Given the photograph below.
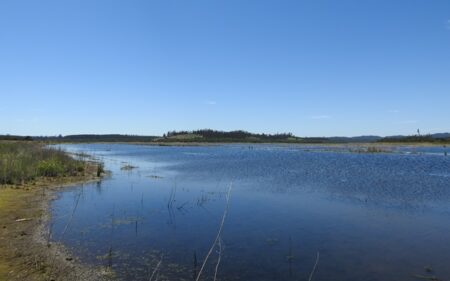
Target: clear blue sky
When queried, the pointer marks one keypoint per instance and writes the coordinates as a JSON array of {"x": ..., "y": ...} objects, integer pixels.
[{"x": 314, "y": 68}]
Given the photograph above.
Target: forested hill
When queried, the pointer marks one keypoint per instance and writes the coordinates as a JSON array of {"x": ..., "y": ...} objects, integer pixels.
[{"x": 222, "y": 136}]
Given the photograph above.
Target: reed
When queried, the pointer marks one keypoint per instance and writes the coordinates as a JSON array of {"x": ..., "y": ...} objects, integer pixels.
[
  {"x": 21, "y": 162},
  {"x": 100, "y": 169}
]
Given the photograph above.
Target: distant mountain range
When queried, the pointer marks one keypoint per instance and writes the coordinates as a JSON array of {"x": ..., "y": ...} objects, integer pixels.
[{"x": 441, "y": 135}]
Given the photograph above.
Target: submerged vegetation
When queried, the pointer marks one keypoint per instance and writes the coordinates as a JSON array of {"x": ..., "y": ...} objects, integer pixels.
[
  {"x": 371, "y": 149},
  {"x": 25, "y": 161},
  {"x": 128, "y": 167}
]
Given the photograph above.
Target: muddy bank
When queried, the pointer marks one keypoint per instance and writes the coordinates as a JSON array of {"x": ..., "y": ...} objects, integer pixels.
[{"x": 26, "y": 250}]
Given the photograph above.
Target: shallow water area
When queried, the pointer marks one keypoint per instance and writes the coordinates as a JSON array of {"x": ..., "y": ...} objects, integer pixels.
[{"x": 370, "y": 216}]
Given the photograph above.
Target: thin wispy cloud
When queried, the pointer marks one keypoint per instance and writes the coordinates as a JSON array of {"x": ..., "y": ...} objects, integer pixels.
[
  {"x": 318, "y": 117},
  {"x": 27, "y": 120},
  {"x": 407, "y": 122},
  {"x": 447, "y": 24},
  {"x": 438, "y": 130},
  {"x": 394, "y": 111},
  {"x": 210, "y": 102}
]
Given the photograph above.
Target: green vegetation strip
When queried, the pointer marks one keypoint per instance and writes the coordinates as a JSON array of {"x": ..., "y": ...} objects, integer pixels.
[{"x": 22, "y": 162}]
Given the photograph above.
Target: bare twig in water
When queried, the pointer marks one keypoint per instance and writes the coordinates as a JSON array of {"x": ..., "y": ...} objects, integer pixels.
[
  {"x": 24, "y": 219},
  {"x": 173, "y": 192},
  {"x": 170, "y": 202},
  {"x": 314, "y": 268},
  {"x": 290, "y": 256},
  {"x": 218, "y": 259},
  {"x": 156, "y": 269},
  {"x": 432, "y": 278},
  {"x": 71, "y": 216},
  {"x": 110, "y": 254},
  {"x": 182, "y": 205},
  {"x": 218, "y": 233},
  {"x": 195, "y": 266},
  {"x": 62, "y": 234}
]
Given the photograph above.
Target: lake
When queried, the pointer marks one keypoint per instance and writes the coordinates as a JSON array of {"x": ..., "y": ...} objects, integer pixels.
[{"x": 357, "y": 216}]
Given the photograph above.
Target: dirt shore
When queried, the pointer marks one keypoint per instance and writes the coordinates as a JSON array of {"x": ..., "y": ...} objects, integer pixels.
[{"x": 26, "y": 250}]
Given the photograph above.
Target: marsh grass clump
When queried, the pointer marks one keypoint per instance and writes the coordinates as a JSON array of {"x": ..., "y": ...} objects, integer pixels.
[
  {"x": 127, "y": 167},
  {"x": 370, "y": 149},
  {"x": 100, "y": 169},
  {"x": 50, "y": 168},
  {"x": 23, "y": 161},
  {"x": 374, "y": 149}
]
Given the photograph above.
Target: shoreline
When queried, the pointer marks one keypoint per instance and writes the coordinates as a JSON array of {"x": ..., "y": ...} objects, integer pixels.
[
  {"x": 27, "y": 250},
  {"x": 419, "y": 144}
]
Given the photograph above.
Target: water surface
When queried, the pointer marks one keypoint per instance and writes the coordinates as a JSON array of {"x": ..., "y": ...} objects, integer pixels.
[{"x": 381, "y": 216}]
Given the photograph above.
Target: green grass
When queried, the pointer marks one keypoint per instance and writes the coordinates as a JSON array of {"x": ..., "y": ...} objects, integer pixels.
[{"x": 24, "y": 161}]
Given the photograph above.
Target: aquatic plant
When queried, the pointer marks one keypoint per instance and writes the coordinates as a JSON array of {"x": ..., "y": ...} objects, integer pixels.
[
  {"x": 375, "y": 149},
  {"x": 370, "y": 149},
  {"x": 128, "y": 167},
  {"x": 100, "y": 169}
]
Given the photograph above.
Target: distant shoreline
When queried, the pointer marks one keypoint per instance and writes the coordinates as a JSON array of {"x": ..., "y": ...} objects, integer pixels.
[
  {"x": 209, "y": 137},
  {"x": 355, "y": 144}
]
